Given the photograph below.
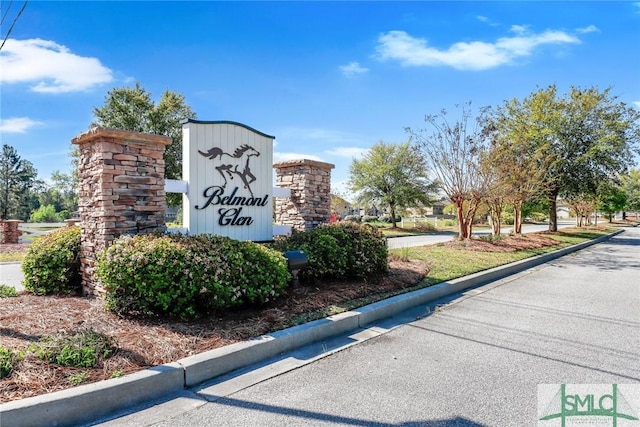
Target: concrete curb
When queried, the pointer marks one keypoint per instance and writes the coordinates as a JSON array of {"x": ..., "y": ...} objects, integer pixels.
[{"x": 97, "y": 400}]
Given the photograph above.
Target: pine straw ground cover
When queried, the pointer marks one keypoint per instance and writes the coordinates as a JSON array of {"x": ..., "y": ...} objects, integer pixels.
[{"x": 142, "y": 343}]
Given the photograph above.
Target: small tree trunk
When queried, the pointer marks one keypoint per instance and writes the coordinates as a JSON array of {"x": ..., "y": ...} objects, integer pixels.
[
  {"x": 496, "y": 213},
  {"x": 392, "y": 208},
  {"x": 553, "y": 213},
  {"x": 517, "y": 217},
  {"x": 462, "y": 223}
]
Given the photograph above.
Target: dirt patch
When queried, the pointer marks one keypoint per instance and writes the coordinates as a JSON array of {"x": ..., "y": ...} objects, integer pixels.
[{"x": 144, "y": 343}]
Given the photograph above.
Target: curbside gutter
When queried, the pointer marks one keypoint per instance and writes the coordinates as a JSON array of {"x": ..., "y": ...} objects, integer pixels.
[{"x": 89, "y": 402}]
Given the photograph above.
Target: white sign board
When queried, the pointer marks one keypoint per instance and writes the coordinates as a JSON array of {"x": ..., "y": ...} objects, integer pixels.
[{"x": 229, "y": 168}]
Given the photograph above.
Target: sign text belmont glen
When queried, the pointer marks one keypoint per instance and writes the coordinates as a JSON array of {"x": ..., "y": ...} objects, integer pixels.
[
  {"x": 230, "y": 173},
  {"x": 214, "y": 196}
]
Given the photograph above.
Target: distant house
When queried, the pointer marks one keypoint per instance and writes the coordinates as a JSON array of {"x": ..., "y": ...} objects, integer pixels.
[{"x": 563, "y": 211}]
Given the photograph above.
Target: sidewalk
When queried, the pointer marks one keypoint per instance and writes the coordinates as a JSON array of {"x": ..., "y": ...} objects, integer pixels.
[
  {"x": 11, "y": 275},
  {"x": 98, "y": 400}
]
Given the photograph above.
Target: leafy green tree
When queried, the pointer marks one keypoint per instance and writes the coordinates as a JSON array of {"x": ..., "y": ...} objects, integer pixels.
[
  {"x": 392, "y": 175},
  {"x": 16, "y": 178},
  {"x": 62, "y": 194},
  {"x": 515, "y": 158},
  {"x": 612, "y": 199},
  {"x": 45, "y": 213},
  {"x": 133, "y": 109},
  {"x": 453, "y": 151},
  {"x": 631, "y": 186},
  {"x": 581, "y": 140}
]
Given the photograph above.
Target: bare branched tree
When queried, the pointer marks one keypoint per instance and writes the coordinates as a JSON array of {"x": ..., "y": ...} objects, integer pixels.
[{"x": 453, "y": 152}]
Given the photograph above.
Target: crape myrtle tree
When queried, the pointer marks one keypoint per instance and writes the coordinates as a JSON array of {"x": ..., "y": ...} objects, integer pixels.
[
  {"x": 453, "y": 152},
  {"x": 16, "y": 178},
  {"x": 582, "y": 206},
  {"x": 582, "y": 140},
  {"x": 392, "y": 175},
  {"x": 495, "y": 195},
  {"x": 133, "y": 109},
  {"x": 514, "y": 158}
]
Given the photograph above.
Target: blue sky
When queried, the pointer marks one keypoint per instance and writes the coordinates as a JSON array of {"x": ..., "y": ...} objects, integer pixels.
[{"x": 328, "y": 79}]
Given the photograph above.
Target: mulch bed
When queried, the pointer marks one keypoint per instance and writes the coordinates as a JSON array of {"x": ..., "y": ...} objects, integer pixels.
[
  {"x": 505, "y": 244},
  {"x": 144, "y": 343}
]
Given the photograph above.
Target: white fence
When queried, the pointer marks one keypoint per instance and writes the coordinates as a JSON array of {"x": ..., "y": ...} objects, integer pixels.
[{"x": 34, "y": 229}]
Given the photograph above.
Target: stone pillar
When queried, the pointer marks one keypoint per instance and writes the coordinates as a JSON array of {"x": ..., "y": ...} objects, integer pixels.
[
  {"x": 121, "y": 191},
  {"x": 10, "y": 231},
  {"x": 310, "y": 202}
]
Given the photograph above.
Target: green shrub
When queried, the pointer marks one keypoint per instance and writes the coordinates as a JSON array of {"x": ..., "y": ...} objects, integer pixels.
[
  {"x": 353, "y": 218},
  {"x": 7, "y": 291},
  {"x": 366, "y": 247},
  {"x": 7, "y": 362},
  {"x": 369, "y": 218},
  {"x": 507, "y": 218},
  {"x": 425, "y": 225},
  {"x": 387, "y": 218},
  {"x": 62, "y": 215},
  {"x": 45, "y": 213},
  {"x": 182, "y": 276},
  {"x": 326, "y": 257},
  {"x": 52, "y": 263},
  {"x": 82, "y": 350},
  {"x": 340, "y": 250}
]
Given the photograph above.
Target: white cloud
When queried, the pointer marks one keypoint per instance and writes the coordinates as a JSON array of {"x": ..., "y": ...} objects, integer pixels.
[
  {"x": 50, "y": 67},
  {"x": 486, "y": 20},
  {"x": 17, "y": 124},
  {"x": 637, "y": 5},
  {"x": 283, "y": 157},
  {"x": 352, "y": 69},
  {"x": 588, "y": 29},
  {"x": 348, "y": 152},
  {"x": 475, "y": 55},
  {"x": 637, "y": 104}
]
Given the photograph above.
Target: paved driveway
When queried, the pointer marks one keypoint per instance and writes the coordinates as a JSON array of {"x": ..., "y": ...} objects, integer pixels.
[
  {"x": 476, "y": 361},
  {"x": 11, "y": 275}
]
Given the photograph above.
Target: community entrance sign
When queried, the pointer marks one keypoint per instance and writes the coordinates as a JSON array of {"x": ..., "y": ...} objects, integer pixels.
[{"x": 228, "y": 167}]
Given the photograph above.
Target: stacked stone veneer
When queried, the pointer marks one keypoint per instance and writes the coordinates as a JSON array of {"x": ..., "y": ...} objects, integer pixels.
[
  {"x": 310, "y": 201},
  {"x": 9, "y": 231},
  {"x": 121, "y": 191}
]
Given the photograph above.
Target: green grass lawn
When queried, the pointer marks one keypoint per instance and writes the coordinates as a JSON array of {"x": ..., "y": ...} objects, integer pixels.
[
  {"x": 9, "y": 257},
  {"x": 448, "y": 263}
]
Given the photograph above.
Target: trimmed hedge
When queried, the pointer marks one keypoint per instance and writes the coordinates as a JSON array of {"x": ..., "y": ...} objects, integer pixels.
[
  {"x": 184, "y": 276},
  {"x": 341, "y": 250},
  {"x": 52, "y": 263}
]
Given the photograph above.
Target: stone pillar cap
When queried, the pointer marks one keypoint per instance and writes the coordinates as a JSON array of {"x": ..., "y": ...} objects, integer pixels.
[
  {"x": 125, "y": 135},
  {"x": 301, "y": 162}
]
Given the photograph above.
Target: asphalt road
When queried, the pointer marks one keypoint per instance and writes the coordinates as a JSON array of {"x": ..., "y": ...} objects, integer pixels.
[
  {"x": 476, "y": 360},
  {"x": 11, "y": 275}
]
